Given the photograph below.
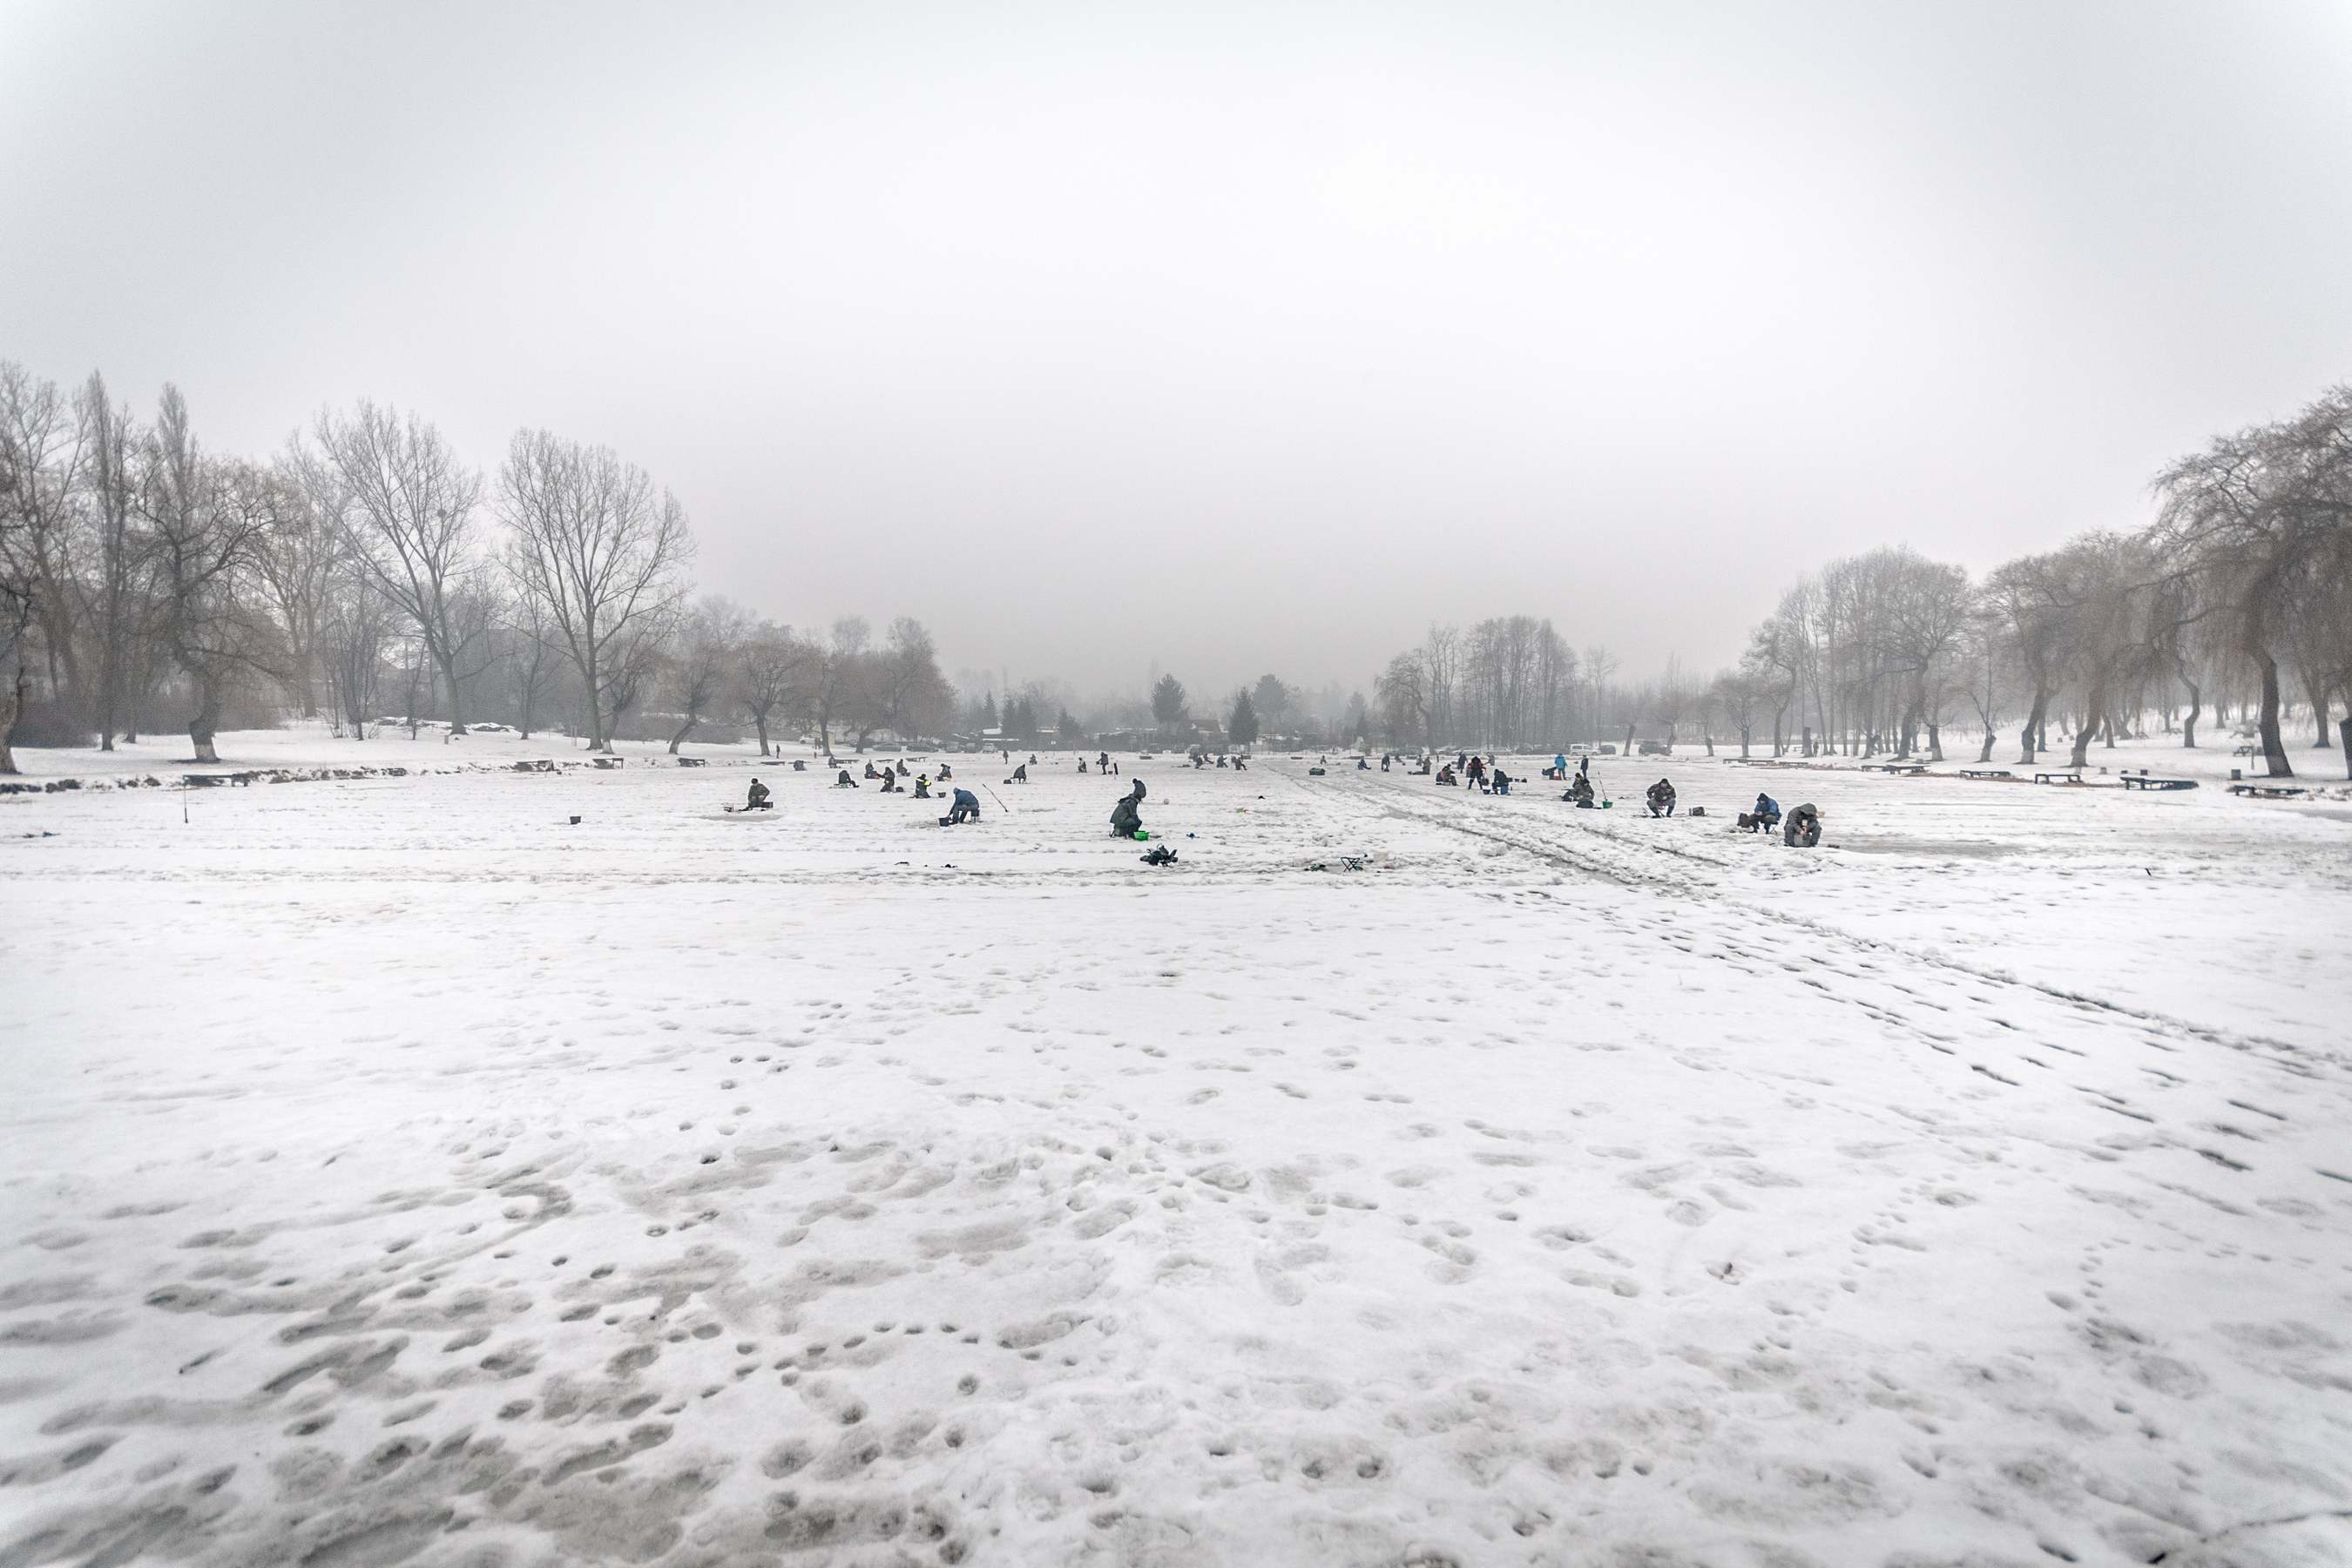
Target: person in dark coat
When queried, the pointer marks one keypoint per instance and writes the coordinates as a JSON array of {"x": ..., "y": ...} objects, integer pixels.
[
  {"x": 922, "y": 786},
  {"x": 965, "y": 809},
  {"x": 1477, "y": 770},
  {"x": 1502, "y": 780},
  {"x": 758, "y": 799},
  {"x": 1126, "y": 818},
  {"x": 1765, "y": 817},
  {"x": 1802, "y": 829},
  {"x": 1580, "y": 791},
  {"x": 1661, "y": 797},
  {"x": 844, "y": 781},
  {"x": 1020, "y": 774},
  {"x": 891, "y": 782}
]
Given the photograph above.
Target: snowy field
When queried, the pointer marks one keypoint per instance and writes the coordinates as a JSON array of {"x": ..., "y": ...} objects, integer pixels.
[{"x": 396, "y": 1171}]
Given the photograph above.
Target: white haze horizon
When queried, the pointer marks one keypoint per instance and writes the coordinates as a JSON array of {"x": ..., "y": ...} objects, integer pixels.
[{"x": 1228, "y": 342}]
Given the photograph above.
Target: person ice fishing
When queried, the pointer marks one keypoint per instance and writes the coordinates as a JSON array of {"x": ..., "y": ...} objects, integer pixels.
[
  {"x": 870, "y": 773},
  {"x": 1580, "y": 790},
  {"x": 1445, "y": 775},
  {"x": 946, "y": 772},
  {"x": 1560, "y": 764},
  {"x": 891, "y": 782},
  {"x": 1362, "y": 766},
  {"x": 1661, "y": 797},
  {"x": 1802, "y": 829},
  {"x": 922, "y": 786},
  {"x": 1082, "y": 765},
  {"x": 1126, "y": 818},
  {"x": 1477, "y": 769},
  {"x": 844, "y": 781},
  {"x": 1020, "y": 774},
  {"x": 965, "y": 808},
  {"x": 1765, "y": 816},
  {"x": 756, "y": 798},
  {"x": 1502, "y": 780}
]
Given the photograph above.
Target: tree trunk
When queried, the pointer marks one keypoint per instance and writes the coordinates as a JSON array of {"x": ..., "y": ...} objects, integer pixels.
[
  {"x": 2196, "y": 706},
  {"x": 12, "y": 704},
  {"x": 683, "y": 731},
  {"x": 2273, "y": 747},
  {"x": 1746, "y": 731},
  {"x": 1629, "y": 739},
  {"x": 2345, "y": 727},
  {"x": 2032, "y": 731},
  {"x": 1985, "y": 754},
  {"x": 760, "y": 721},
  {"x": 2317, "y": 691},
  {"x": 207, "y": 719},
  {"x": 1934, "y": 741}
]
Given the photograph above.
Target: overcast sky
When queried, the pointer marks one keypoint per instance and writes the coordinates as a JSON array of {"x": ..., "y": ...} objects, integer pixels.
[{"x": 1223, "y": 339}]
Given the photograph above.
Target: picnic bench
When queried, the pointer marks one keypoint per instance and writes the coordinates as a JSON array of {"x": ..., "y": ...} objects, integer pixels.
[
  {"x": 692, "y": 761},
  {"x": 2267, "y": 791},
  {"x": 2245, "y": 751},
  {"x": 1895, "y": 767},
  {"x": 607, "y": 762},
  {"x": 2060, "y": 775},
  {"x": 1987, "y": 773},
  {"x": 2144, "y": 780}
]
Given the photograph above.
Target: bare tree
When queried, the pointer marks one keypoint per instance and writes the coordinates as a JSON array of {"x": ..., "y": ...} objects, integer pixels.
[
  {"x": 352, "y": 634},
  {"x": 208, "y": 527},
  {"x": 410, "y": 520},
  {"x": 709, "y": 640},
  {"x": 111, "y": 444},
  {"x": 1404, "y": 695},
  {"x": 914, "y": 695},
  {"x": 604, "y": 554},
  {"x": 41, "y": 444},
  {"x": 777, "y": 677},
  {"x": 2255, "y": 519},
  {"x": 299, "y": 563}
]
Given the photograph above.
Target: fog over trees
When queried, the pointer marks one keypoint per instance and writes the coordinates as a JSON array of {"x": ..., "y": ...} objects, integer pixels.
[{"x": 367, "y": 574}]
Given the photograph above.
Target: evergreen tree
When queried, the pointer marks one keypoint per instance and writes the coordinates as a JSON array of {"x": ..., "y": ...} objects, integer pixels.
[
  {"x": 1167, "y": 702},
  {"x": 988, "y": 711},
  {"x": 1242, "y": 728},
  {"x": 1066, "y": 727}
]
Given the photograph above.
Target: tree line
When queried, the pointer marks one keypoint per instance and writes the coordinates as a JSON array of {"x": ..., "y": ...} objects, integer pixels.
[
  {"x": 2237, "y": 593},
  {"x": 2239, "y": 584},
  {"x": 367, "y": 564}
]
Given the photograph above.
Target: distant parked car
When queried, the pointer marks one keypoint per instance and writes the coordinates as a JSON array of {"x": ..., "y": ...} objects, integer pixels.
[
  {"x": 1657, "y": 749},
  {"x": 1583, "y": 750}
]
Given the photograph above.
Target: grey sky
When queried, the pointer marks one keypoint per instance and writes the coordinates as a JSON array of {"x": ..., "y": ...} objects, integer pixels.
[{"x": 1224, "y": 338}]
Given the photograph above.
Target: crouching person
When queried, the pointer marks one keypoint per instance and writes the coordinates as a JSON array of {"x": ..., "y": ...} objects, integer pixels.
[{"x": 965, "y": 809}]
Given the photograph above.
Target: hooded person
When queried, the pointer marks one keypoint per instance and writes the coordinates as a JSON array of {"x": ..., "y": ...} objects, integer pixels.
[
  {"x": 844, "y": 781},
  {"x": 922, "y": 786},
  {"x": 1020, "y": 774},
  {"x": 966, "y": 808},
  {"x": 1802, "y": 829},
  {"x": 1661, "y": 796},
  {"x": 757, "y": 799},
  {"x": 1126, "y": 817},
  {"x": 1580, "y": 790}
]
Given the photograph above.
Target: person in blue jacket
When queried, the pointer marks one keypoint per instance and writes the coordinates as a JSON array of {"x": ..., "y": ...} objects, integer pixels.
[{"x": 966, "y": 809}]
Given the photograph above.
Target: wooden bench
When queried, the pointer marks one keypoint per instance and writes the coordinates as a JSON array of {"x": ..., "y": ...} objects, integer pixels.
[
  {"x": 608, "y": 761},
  {"x": 2149, "y": 781},
  {"x": 1987, "y": 773},
  {"x": 692, "y": 761},
  {"x": 2268, "y": 792},
  {"x": 2060, "y": 775}
]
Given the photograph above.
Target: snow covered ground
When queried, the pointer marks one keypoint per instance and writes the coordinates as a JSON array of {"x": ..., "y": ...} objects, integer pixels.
[{"x": 397, "y": 1171}]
